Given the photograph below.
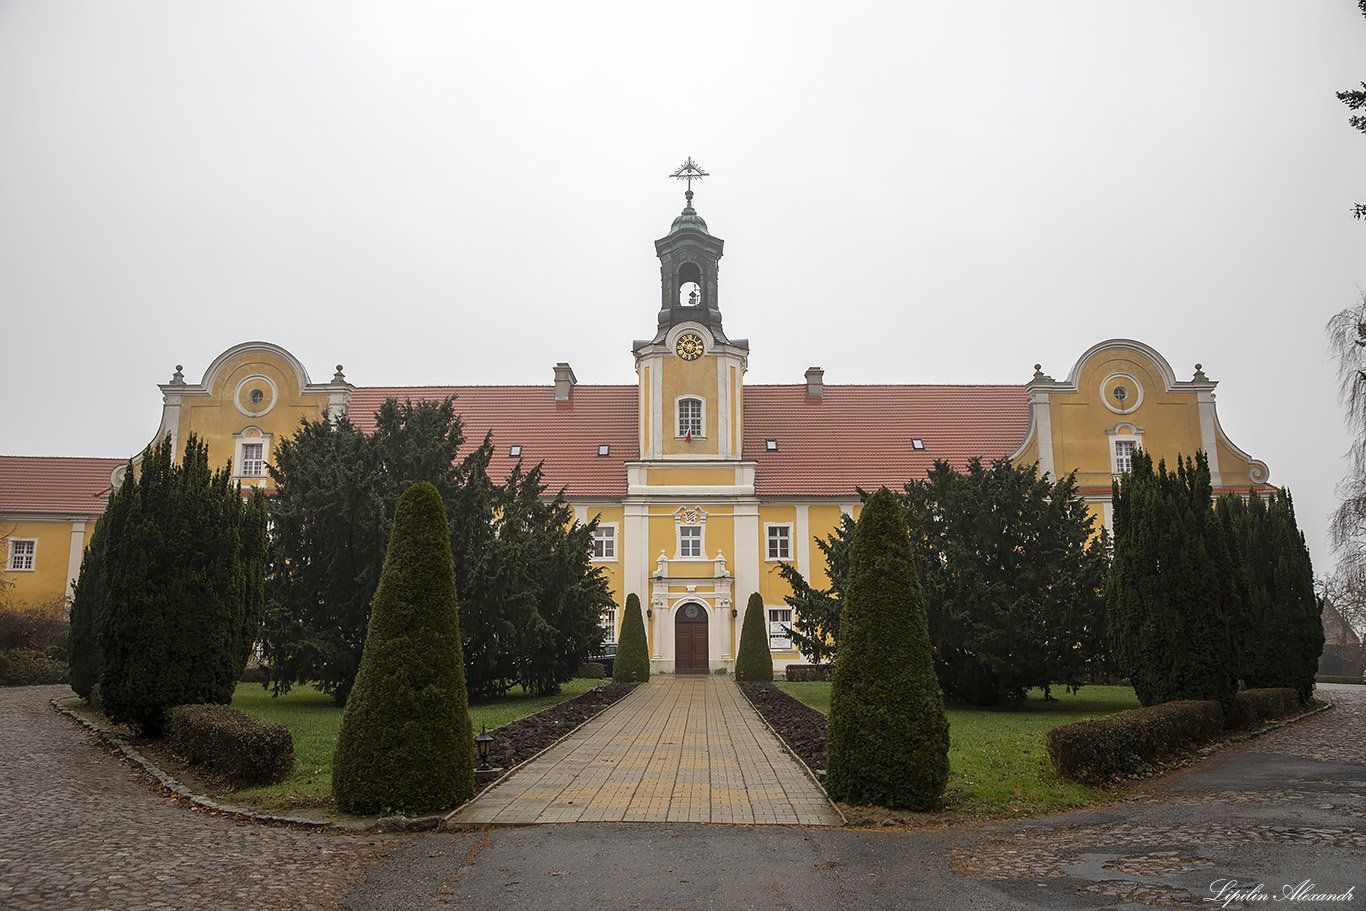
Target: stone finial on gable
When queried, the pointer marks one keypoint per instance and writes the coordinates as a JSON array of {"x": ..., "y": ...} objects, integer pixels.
[{"x": 178, "y": 378}]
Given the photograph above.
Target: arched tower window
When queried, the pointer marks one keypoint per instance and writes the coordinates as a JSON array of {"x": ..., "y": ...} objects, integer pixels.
[{"x": 689, "y": 285}]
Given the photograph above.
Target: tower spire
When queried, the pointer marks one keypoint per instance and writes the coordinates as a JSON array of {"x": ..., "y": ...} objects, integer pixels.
[{"x": 689, "y": 171}]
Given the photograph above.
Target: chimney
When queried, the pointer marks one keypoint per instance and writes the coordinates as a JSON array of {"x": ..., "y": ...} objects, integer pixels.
[
  {"x": 815, "y": 381},
  {"x": 564, "y": 381}
]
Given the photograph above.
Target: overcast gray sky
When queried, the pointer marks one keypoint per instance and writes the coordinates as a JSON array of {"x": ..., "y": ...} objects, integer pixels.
[{"x": 467, "y": 193}]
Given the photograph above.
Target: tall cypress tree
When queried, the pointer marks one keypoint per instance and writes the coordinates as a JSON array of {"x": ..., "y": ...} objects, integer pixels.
[
  {"x": 1282, "y": 638},
  {"x": 755, "y": 657},
  {"x": 887, "y": 740},
  {"x": 1174, "y": 597},
  {"x": 87, "y": 607},
  {"x": 176, "y": 615},
  {"x": 406, "y": 741},
  {"x": 633, "y": 649}
]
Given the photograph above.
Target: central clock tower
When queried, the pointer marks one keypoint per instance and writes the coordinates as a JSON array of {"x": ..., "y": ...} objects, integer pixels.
[
  {"x": 690, "y": 497},
  {"x": 690, "y": 374}
]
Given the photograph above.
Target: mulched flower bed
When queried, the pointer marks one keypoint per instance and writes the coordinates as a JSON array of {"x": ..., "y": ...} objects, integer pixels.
[
  {"x": 800, "y": 726},
  {"x": 517, "y": 741}
]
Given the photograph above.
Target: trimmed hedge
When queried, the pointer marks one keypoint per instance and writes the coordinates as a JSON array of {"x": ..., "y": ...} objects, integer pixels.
[
  {"x": 592, "y": 670},
  {"x": 1252, "y": 709},
  {"x": 1092, "y": 751},
  {"x": 755, "y": 658},
  {"x": 1329, "y": 678},
  {"x": 242, "y": 748},
  {"x": 633, "y": 649},
  {"x": 26, "y": 667},
  {"x": 808, "y": 673}
]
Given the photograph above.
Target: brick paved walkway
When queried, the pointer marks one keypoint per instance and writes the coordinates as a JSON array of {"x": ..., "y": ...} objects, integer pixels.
[
  {"x": 678, "y": 749},
  {"x": 80, "y": 830}
]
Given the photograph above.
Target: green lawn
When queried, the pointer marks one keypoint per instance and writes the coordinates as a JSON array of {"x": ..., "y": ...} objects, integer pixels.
[
  {"x": 998, "y": 763},
  {"x": 315, "y": 721}
]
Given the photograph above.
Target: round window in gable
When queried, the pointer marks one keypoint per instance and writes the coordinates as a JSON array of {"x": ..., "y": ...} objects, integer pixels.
[{"x": 256, "y": 396}]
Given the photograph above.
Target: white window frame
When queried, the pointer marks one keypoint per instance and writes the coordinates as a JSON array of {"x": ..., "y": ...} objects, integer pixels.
[
  {"x": 248, "y": 462},
  {"x": 29, "y": 555},
  {"x": 605, "y": 543},
  {"x": 239, "y": 458},
  {"x": 690, "y": 538},
  {"x": 778, "y": 533},
  {"x": 609, "y": 622},
  {"x": 778, "y": 617},
  {"x": 1123, "y": 433},
  {"x": 1124, "y": 456},
  {"x": 698, "y": 424}
]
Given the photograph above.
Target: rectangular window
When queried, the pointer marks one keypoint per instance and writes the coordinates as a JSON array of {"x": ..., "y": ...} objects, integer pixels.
[
  {"x": 779, "y": 617},
  {"x": 690, "y": 417},
  {"x": 609, "y": 623},
  {"x": 21, "y": 553},
  {"x": 690, "y": 541},
  {"x": 605, "y": 542},
  {"x": 779, "y": 542},
  {"x": 1124, "y": 456},
  {"x": 253, "y": 464}
]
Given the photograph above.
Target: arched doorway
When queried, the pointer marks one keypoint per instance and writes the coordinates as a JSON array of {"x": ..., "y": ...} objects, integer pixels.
[{"x": 690, "y": 639}]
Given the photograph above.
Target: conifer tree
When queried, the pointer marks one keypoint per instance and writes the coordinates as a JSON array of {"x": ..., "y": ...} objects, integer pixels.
[
  {"x": 177, "y": 610},
  {"x": 87, "y": 606},
  {"x": 887, "y": 741},
  {"x": 816, "y": 612},
  {"x": 1013, "y": 577},
  {"x": 633, "y": 649},
  {"x": 1174, "y": 596},
  {"x": 1283, "y": 635},
  {"x": 406, "y": 740},
  {"x": 754, "y": 657}
]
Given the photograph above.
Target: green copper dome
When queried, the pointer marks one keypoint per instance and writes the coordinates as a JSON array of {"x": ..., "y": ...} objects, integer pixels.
[{"x": 689, "y": 220}]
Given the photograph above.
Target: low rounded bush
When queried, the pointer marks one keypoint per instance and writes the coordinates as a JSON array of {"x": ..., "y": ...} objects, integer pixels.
[
  {"x": 27, "y": 667},
  {"x": 1093, "y": 751},
  {"x": 592, "y": 670},
  {"x": 808, "y": 673},
  {"x": 1252, "y": 709},
  {"x": 242, "y": 748}
]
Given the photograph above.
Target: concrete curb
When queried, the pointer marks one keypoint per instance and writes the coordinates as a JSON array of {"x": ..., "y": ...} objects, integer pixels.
[{"x": 166, "y": 783}]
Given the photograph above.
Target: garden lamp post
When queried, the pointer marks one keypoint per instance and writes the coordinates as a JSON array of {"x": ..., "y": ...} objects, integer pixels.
[{"x": 482, "y": 741}]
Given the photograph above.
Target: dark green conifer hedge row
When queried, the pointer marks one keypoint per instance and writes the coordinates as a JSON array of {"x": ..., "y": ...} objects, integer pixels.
[{"x": 242, "y": 748}]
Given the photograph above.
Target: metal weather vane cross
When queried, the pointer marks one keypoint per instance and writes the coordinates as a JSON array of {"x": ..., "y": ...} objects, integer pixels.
[{"x": 689, "y": 171}]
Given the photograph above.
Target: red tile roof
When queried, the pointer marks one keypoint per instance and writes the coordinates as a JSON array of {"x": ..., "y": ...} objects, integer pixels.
[
  {"x": 42, "y": 484},
  {"x": 860, "y": 436},
  {"x": 565, "y": 435},
  {"x": 852, "y": 436}
]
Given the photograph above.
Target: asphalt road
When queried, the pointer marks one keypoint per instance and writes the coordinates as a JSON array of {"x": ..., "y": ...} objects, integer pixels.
[{"x": 1249, "y": 827}]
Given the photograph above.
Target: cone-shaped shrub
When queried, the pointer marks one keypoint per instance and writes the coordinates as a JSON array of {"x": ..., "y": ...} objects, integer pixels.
[
  {"x": 405, "y": 743},
  {"x": 887, "y": 742},
  {"x": 633, "y": 650},
  {"x": 754, "y": 658}
]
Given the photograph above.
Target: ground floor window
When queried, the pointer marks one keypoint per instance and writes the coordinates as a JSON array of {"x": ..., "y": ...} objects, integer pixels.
[
  {"x": 605, "y": 542},
  {"x": 778, "y": 618},
  {"x": 21, "y": 553}
]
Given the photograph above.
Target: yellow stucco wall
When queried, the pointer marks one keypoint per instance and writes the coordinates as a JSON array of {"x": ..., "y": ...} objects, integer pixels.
[
  {"x": 47, "y": 584},
  {"x": 691, "y": 378},
  {"x": 217, "y": 417}
]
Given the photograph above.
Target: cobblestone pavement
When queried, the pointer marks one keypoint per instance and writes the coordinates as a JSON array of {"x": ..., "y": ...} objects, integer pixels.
[
  {"x": 81, "y": 830},
  {"x": 1277, "y": 811}
]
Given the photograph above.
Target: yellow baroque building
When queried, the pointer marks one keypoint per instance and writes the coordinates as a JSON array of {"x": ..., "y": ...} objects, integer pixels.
[{"x": 703, "y": 486}]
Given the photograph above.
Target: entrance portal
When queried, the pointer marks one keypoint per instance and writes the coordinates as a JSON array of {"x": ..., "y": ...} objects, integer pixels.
[{"x": 690, "y": 640}]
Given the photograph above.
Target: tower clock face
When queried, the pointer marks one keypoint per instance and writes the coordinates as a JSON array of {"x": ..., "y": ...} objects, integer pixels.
[{"x": 689, "y": 346}]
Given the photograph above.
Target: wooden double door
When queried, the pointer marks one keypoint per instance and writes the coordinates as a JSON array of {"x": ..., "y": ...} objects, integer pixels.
[{"x": 690, "y": 640}]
